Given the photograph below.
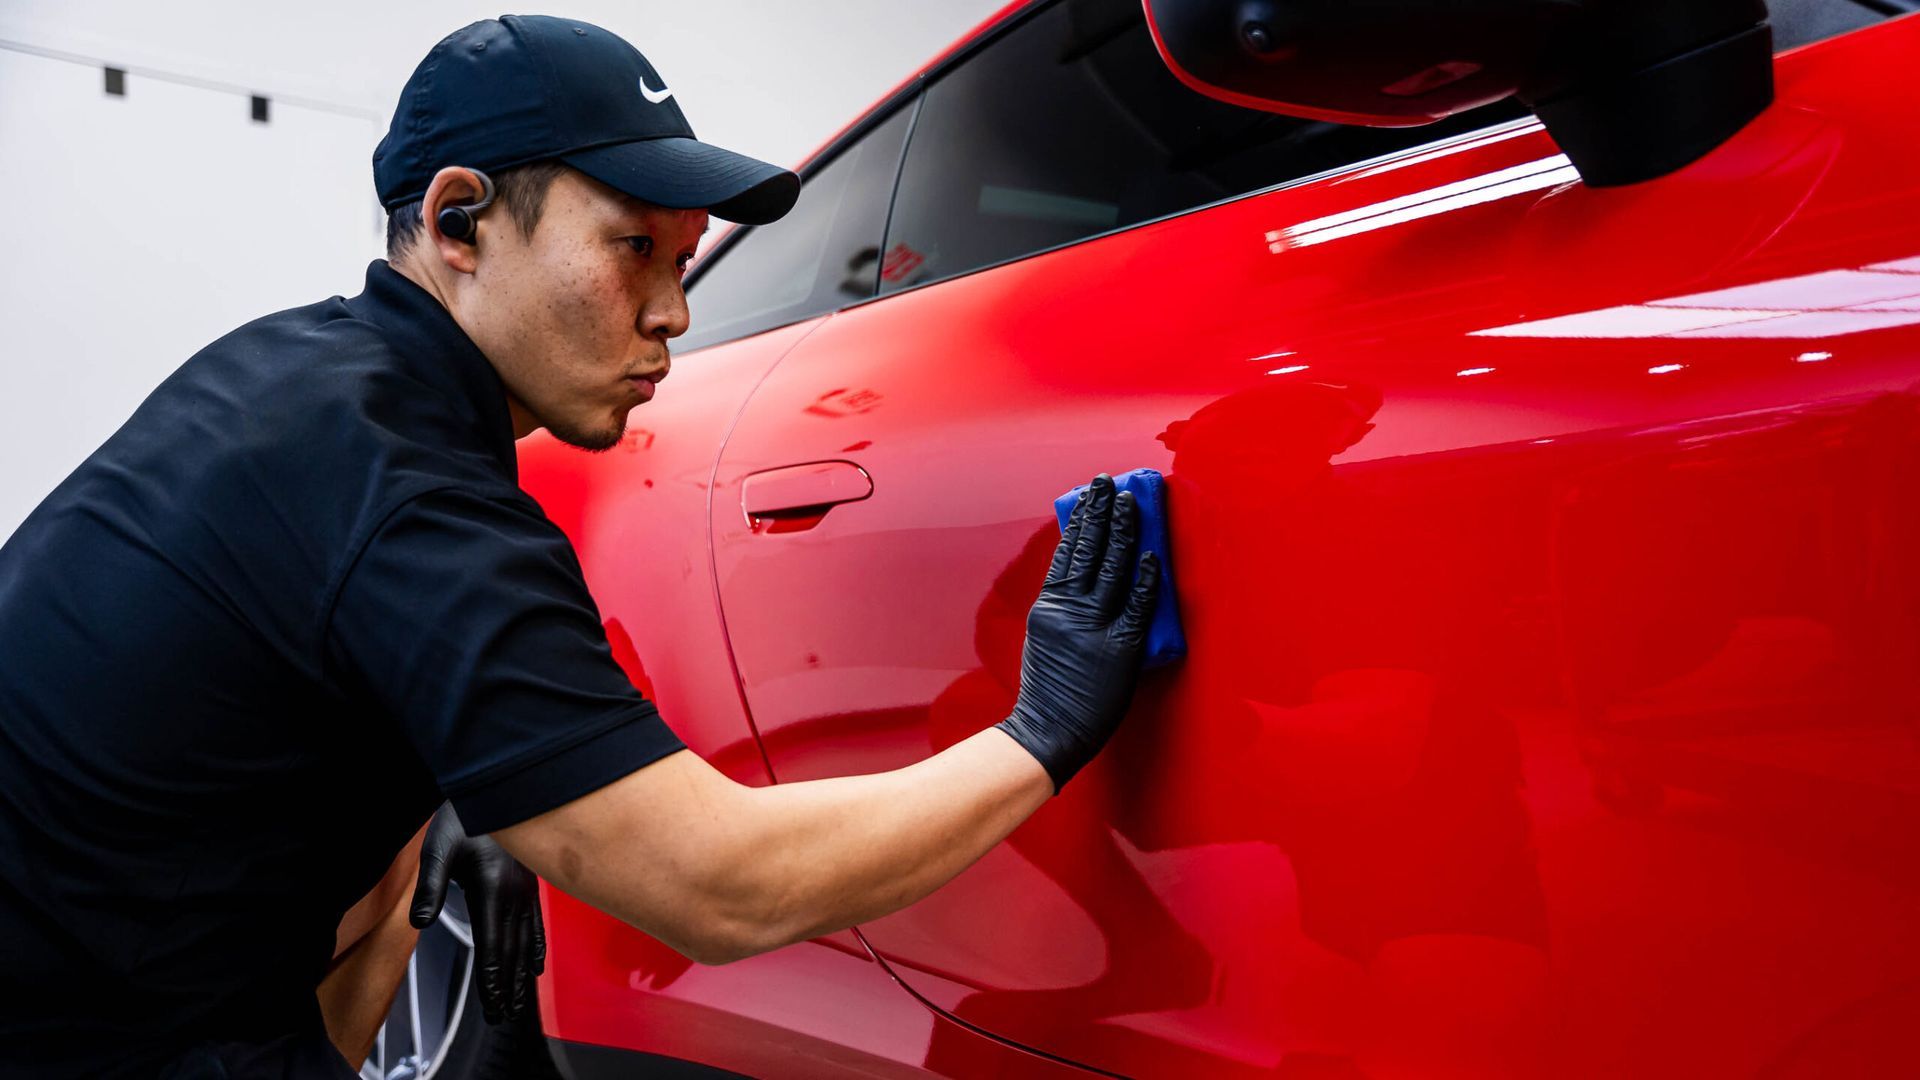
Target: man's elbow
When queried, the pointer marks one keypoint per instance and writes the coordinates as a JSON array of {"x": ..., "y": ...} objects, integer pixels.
[
  {"x": 718, "y": 952},
  {"x": 703, "y": 928},
  {"x": 722, "y": 939},
  {"x": 717, "y": 896},
  {"x": 737, "y": 913}
]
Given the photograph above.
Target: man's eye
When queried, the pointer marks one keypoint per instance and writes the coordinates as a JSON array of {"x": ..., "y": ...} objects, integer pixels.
[
  {"x": 641, "y": 244},
  {"x": 683, "y": 262}
]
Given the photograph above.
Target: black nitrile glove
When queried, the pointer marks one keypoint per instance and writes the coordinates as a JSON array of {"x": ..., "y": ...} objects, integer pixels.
[
  {"x": 503, "y": 903},
  {"x": 1085, "y": 636}
]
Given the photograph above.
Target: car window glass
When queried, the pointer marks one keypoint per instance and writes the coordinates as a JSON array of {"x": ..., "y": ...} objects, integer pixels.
[
  {"x": 1797, "y": 22},
  {"x": 824, "y": 254},
  {"x": 1070, "y": 125}
]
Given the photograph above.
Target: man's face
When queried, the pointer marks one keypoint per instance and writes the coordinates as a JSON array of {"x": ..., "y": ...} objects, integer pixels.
[{"x": 576, "y": 318}]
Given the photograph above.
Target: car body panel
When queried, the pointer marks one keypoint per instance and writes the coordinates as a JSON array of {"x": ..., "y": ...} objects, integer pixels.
[
  {"x": 824, "y": 1009},
  {"x": 626, "y": 511},
  {"x": 1545, "y": 557},
  {"x": 630, "y": 512},
  {"x": 1488, "y": 489}
]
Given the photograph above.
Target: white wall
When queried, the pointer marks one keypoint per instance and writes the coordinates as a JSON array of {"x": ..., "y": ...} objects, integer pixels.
[{"x": 134, "y": 230}]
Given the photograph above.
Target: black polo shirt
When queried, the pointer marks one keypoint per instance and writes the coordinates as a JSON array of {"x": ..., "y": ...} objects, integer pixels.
[{"x": 246, "y": 648}]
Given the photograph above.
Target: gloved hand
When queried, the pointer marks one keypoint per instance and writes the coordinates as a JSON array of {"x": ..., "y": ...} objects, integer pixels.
[
  {"x": 503, "y": 902},
  {"x": 1085, "y": 636}
]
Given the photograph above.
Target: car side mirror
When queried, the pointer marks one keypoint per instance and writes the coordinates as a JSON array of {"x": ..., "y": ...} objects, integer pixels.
[{"x": 1630, "y": 89}]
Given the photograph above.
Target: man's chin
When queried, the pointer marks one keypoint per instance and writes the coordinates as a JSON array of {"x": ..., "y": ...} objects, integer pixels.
[{"x": 594, "y": 440}]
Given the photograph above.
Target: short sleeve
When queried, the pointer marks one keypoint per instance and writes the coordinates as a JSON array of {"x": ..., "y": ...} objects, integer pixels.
[{"x": 466, "y": 618}]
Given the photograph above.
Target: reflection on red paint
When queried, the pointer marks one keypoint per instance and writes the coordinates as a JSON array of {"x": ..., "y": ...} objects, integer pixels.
[
  {"x": 628, "y": 658},
  {"x": 841, "y": 401},
  {"x": 900, "y": 263}
]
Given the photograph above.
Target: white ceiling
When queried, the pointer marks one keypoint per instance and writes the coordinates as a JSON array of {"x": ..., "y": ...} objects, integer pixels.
[{"x": 771, "y": 78}]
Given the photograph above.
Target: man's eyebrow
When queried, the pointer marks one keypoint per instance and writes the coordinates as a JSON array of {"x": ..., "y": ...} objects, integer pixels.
[{"x": 635, "y": 205}]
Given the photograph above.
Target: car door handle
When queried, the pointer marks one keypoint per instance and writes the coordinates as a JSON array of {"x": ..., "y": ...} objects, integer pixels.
[{"x": 809, "y": 490}]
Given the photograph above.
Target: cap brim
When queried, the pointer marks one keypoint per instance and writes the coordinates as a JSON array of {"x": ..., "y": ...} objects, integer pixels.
[{"x": 688, "y": 174}]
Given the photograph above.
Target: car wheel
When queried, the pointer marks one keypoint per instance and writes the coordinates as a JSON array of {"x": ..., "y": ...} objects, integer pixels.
[{"x": 435, "y": 1030}]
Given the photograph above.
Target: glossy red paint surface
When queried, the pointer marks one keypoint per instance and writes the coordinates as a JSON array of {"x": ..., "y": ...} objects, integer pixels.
[
  {"x": 1547, "y": 559},
  {"x": 637, "y": 517},
  {"x": 824, "y": 1009}
]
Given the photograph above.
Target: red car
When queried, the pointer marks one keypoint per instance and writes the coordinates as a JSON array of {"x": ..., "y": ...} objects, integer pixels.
[{"x": 1548, "y": 555}]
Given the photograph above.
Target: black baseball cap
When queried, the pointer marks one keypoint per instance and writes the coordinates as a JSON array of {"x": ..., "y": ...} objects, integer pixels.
[{"x": 523, "y": 88}]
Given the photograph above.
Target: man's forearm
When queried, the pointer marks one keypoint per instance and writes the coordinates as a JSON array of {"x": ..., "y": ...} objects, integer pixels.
[
  {"x": 721, "y": 871},
  {"x": 832, "y": 853},
  {"x": 369, "y": 957}
]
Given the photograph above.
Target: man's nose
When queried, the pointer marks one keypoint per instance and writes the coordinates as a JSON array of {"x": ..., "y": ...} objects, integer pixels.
[{"x": 666, "y": 316}]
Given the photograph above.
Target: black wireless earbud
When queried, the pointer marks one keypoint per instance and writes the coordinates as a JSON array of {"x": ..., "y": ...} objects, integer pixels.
[{"x": 456, "y": 222}]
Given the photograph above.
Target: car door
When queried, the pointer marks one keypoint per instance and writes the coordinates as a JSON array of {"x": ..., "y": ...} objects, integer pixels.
[
  {"x": 1549, "y": 705},
  {"x": 637, "y": 515}
]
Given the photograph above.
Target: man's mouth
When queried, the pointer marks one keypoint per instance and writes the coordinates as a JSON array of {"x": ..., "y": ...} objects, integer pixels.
[{"x": 642, "y": 386}]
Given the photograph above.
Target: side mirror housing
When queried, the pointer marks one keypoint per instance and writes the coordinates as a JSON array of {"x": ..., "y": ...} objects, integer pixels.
[{"x": 1631, "y": 89}]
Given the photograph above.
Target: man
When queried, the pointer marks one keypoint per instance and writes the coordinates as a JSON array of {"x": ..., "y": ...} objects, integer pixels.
[{"x": 299, "y": 599}]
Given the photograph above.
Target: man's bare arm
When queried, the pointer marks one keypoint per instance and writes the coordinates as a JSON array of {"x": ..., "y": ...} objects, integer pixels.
[
  {"x": 370, "y": 954},
  {"x": 719, "y": 870}
]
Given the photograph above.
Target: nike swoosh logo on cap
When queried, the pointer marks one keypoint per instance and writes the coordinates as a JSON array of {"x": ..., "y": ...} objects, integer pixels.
[{"x": 654, "y": 96}]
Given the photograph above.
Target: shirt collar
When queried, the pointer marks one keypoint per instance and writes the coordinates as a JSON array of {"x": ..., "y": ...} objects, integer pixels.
[{"x": 441, "y": 354}]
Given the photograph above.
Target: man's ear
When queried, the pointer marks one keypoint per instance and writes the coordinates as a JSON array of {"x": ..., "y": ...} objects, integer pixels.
[{"x": 454, "y": 186}]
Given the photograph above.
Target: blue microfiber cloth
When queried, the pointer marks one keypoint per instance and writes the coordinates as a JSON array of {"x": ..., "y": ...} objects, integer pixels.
[{"x": 1165, "y": 640}]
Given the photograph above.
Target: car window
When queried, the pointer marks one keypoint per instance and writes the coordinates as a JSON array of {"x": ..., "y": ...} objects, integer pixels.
[
  {"x": 1070, "y": 125},
  {"x": 824, "y": 254},
  {"x": 1797, "y": 22}
]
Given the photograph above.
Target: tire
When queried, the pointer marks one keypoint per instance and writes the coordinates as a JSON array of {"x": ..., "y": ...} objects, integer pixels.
[{"x": 435, "y": 1030}]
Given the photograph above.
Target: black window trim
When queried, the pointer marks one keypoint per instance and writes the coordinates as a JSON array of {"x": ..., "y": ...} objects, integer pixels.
[
  {"x": 878, "y": 117},
  {"x": 908, "y": 94},
  {"x": 912, "y": 94}
]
